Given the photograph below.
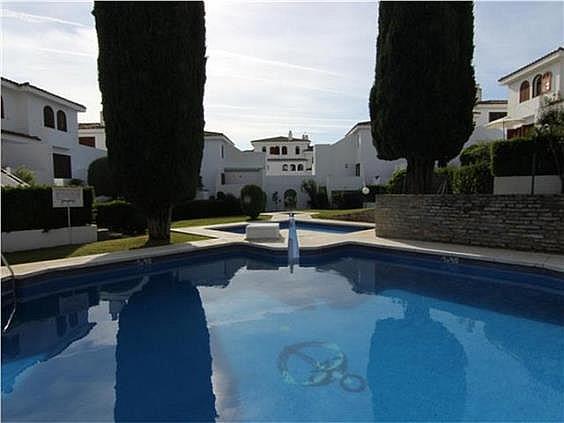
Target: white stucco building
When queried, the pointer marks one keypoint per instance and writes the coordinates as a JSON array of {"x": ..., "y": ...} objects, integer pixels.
[
  {"x": 529, "y": 89},
  {"x": 40, "y": 132},
  {"x": 286, "y": 155}
]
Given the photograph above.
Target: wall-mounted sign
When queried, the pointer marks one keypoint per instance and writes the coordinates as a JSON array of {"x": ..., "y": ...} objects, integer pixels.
[{"x": 68, "y": 197}]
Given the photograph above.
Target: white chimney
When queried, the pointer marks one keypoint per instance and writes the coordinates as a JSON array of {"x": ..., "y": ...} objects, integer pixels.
[
  {"x": 102, "y": 117},
  {"x": 478, "y": 92},
  {"x": 305, "y": 137},
  {"x": 290, "y": 137}
]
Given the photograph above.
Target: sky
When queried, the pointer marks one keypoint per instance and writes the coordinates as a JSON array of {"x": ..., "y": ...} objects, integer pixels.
[{"x": 272, "y": 66}]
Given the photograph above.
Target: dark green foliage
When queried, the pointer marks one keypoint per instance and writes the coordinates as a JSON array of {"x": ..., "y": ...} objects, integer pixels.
[
  {"x": 473, "y": 179},
  {"x": 347, "y": 199},
  {"x": 309, "y": 186},
  {"x": 476, "y": 153},
  {"x": 442, "y": 179},
  {"x": 151, "y": 71},
  {"x": 396, "y": 184},
  {"x": 100, "y": 177},
  {"x": 197, "y": 209},
  {"x": 253, "y": 200},
  {"x": 515, "y": 157},
  {"x": 25, "y": 174},
  {"x": 120, "y": 216},
  {"x": 317, "y": 195},
  {"x": 424, "y": 90},
  {"x": 551, "y": 130},
  {"x": 32, "y": 208},
  {"x": 321, "y": 199},
  {"x": 76, "y": 182}
]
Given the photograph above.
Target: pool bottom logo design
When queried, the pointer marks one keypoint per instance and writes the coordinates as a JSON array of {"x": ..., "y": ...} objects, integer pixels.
[{"x": 317, "y": 363}]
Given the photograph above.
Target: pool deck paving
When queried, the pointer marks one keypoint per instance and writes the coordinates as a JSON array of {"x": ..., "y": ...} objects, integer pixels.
[{"x": 307, "y": 239}]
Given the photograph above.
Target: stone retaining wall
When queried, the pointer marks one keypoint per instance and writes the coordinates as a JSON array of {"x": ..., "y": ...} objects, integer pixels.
[{"x": 520, "y": 222}]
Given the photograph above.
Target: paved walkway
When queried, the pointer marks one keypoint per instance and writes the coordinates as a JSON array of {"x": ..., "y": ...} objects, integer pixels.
[{"x": 308, "y": 240}]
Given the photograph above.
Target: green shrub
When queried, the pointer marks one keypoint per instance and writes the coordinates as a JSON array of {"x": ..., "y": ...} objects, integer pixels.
[
  {"x": 322, "y": 199},
  {"x": 396, "y": 183},
  {"x": 347, "y": 200},
  {"x": 101, "y": 178},
  {"x": 476, "y": 153},
  {"x": 26, "y": 208},
  {"x": 473, "y": 179},
  {"x": 25, "y": 174},
  {"x": 225, "y": 205},
  {"x": 515, "y": 157},
  {"x": 120, "y": 216},
  {"x": 253, "y": 200}
]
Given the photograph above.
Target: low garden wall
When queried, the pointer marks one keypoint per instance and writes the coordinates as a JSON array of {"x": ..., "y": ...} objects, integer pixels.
[
  {"x": 521, "y": 222},
  {"x": 38, "y": 238}
]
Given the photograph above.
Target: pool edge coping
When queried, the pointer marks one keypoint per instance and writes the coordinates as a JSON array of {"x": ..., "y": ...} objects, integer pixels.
[{"x": 552, "y": 262}]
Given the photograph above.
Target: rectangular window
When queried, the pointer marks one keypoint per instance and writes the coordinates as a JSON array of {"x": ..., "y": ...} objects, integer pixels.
[
  {"x": 357, "y": 169},
  {"x": 223, "y": 179},
  {"x": 87, "y": 141},
  {"x": 496, "y": 115},
  {"x": 62, "y": 166}
]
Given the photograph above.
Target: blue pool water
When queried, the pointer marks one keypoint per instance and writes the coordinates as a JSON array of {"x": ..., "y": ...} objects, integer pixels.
[
  {"x": 308, "y": 226},
  {"x": 350, "y": 335}
]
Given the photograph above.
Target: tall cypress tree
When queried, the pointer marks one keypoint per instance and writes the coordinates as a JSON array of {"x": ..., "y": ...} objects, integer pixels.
[
  {"x": 424, "y": 91},
  {"x": 151, "y": 70}
]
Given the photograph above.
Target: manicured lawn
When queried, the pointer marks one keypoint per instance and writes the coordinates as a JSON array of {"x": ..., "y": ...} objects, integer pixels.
[
  {"x": 334, "y": 214},
  {"x": 215, "y": 221},
  {"x": 99, "y": 247}
]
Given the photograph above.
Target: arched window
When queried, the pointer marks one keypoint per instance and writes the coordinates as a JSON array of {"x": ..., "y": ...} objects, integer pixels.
[
  {"x": 48, "y": 117},
  {"x": 524, "y": 91},
  {"x": 61, "y": 121},
  {"x": 293, "y": 168},
  {"x": 284, "y": 150},
  {"x": 2, "y": 102},
  {"x": 537, "y": 85},
  {"x": 297, "y": 150},
  {"x": 546, "y": 82},
  {"x": 300, "y": 167},
  {"x": 274, "y": 150},
  {"x": 264, "y": 149},
  {"x": 285, "y": 168}
]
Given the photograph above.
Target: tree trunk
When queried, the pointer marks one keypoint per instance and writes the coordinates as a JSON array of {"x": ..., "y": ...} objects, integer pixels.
[
  {"x": 158, "y": 225},
  {"x": 419, "y": 176}
]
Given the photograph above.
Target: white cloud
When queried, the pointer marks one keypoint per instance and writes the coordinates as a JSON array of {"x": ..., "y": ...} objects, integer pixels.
[
  {"x": 30, "y": 18},
  {"x": 271, "y": 62}
]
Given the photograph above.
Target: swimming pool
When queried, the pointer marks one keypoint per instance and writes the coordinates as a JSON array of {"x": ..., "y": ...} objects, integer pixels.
[
  {"x": 304, "y": 225},
  {"x": 353, "y": 334}
]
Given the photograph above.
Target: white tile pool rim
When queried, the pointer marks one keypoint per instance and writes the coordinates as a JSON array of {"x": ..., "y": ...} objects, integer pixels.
[{"x": 309, "y": 241}]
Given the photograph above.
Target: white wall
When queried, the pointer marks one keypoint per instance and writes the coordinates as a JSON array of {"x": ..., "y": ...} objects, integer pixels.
[
  {"x": 275, "y": 162},
  {"x": 531, "y": 107},
  {"x": 99, "y": 135},
  {"x": 38, "y": 238},
  {"x": 23, "y": 107},
  {"x": 335, "y": 164},
  {"x": 32, "y": 154}
]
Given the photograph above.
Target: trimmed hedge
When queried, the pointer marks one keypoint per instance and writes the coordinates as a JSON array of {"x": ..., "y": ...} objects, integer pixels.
[
  {"x": 197, "y": 209},
  {"x": 476, "y": 153},
  {"x": 25, "y": 208},
  {"x": 515, "y": 157},
  {"x": 473, "y": 179},
  {"x": 253, "y": 200},
  {"x": 100, "y": 177},
  {"x": 120, "y": 216},
  {"x": 347, "y": 200}
]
